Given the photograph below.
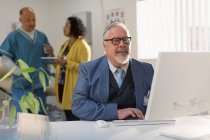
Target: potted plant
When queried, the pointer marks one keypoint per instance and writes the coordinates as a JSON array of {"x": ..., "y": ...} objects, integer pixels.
[{"x": 28, "y": 102}]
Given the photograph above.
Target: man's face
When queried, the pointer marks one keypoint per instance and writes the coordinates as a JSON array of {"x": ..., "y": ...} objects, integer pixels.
[
  {"x": 28, "y": 20},
  {"x": 118, "y": 54}
]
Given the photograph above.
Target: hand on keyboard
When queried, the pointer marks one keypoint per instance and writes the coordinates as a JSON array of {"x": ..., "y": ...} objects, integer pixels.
[{"x": 133, "y": 113}]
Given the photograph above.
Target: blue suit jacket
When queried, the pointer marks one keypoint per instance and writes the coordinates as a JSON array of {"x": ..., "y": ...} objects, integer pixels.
[{"x": 91, "y": 93}]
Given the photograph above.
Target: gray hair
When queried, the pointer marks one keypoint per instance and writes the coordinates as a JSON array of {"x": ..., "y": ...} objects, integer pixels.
[{"x": 113, "y": 25}]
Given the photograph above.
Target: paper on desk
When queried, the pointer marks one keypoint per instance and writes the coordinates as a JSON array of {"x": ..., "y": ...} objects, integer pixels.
[
  {"x": 188, "y": 128},
  {"x": 185, "y": 132}
]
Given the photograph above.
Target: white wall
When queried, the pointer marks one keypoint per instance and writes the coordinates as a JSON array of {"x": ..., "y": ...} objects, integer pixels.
[
  {"x": 51, "y": 17},
  {"x": 97, "y": 8},
  {"x": 9, "y": 12}
]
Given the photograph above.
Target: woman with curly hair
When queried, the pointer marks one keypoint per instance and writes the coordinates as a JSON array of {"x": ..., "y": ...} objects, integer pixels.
[{"x": 73, "y": 52}]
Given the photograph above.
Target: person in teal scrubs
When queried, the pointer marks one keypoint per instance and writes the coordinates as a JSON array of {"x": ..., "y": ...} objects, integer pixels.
[{"x": 26, "y": 43}]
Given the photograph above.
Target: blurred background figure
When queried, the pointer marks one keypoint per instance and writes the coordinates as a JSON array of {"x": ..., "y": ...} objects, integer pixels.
[
  {"x": 73, "y": 52},
  {"x": 26, "y": 43}
]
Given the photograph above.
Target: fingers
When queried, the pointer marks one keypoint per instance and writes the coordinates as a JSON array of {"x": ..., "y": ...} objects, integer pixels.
[
  {"x": 136, "y": 113},
  {"x": 61, "y": 62},
  {"x": 48, "y": 49},
  {"x": 133, "y": 113}
]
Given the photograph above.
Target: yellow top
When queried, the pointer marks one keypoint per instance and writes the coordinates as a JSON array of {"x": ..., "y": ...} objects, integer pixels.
[{"x": 79, "y": 52}]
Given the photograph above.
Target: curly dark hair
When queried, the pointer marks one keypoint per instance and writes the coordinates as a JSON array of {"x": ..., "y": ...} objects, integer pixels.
[{"x": 77, "y": 27}]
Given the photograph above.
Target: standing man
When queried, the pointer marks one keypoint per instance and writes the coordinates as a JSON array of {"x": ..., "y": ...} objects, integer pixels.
[
  {"x": 28, "y": 44},
  {"x": 113, "y": 86}
]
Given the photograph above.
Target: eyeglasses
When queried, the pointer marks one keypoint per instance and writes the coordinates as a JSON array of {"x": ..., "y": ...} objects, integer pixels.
[{"x": 116, "y": 41}]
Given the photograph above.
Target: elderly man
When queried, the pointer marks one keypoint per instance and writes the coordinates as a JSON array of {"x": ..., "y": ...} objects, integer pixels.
[
  {"x": 28, "y": 44},
  {"x": 113, "y": 86}
]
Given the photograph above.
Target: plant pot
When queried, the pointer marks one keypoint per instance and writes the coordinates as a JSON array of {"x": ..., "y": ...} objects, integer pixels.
[{"x": 33, "y": 126}]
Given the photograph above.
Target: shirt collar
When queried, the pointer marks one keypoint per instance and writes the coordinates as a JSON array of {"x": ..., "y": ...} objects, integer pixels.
[
  {"x": 30, "y": 34},
  {"x": 113, "y": 69}
]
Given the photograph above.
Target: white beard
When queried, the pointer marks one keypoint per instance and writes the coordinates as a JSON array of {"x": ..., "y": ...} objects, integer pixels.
[{"x": 122, "y": 59}]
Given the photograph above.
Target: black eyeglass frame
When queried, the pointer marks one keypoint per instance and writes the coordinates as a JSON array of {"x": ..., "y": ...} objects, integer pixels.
[{"x": 125, "y": 40}]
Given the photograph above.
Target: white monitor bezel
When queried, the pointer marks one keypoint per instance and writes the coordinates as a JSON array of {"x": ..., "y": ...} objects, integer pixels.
[{"x": 181, "y": 85}]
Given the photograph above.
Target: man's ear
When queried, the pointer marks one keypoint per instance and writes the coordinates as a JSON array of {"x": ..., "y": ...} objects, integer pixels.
[{"x": 20, "y": 20}]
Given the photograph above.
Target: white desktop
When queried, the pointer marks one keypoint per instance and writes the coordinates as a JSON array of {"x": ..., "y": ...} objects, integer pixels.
[
  {"x": 181, "y": 85},
  {"x": 180, "y": 88}
]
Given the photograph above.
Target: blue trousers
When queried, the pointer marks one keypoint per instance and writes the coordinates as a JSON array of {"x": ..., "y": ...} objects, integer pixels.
[{"x": 18, "y": 93}]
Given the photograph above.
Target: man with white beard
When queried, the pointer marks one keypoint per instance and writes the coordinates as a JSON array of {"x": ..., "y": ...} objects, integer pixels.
[{"x": 113, "y": 86}]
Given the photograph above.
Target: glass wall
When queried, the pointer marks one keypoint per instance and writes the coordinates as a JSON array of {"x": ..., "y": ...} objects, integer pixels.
[{"x": 172, "y": 25}]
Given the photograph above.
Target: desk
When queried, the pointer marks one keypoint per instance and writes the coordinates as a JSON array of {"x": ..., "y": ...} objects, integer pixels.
[
  {"x": 87, "y": 130},
  {"x": 83, "y": 130}
]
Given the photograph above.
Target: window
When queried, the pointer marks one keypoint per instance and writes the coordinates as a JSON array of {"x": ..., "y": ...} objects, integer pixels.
[{"x": 172, "y": 25}]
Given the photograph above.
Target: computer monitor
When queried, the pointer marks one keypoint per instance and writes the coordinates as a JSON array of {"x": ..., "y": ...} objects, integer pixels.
[{"x": 181, "y": 85}]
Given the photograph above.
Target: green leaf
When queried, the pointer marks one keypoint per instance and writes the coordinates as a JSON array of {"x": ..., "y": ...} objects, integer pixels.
[
  {"x": 42, "y": 105},
  {"x": 42, "y": 80},
  {"x": 33, "y": 103},
  {"x": 23, "y": 104},
  {"x": 46, "y": 74},
  {"x": 30, "y": 96},
  {"x": 12, "y": 115},
  {"x": 29, "y": 100},
  {"x": 24, "y": 66},
  {"x": 36, "y": 106},
  {"x": 28, "y": 70},
  {"x": 9, "y": 73}
]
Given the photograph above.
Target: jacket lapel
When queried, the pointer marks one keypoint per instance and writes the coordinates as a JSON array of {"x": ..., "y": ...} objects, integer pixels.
[
  {"x": 138, "y": 82},
  {"x": 104, "y": 79}
]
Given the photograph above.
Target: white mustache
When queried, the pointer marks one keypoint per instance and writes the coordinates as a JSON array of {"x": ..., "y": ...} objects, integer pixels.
[{"x": 125, "y": 50}]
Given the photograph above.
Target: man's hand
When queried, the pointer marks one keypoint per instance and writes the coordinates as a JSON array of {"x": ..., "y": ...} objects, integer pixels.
[
  {"x": 48, "y": 49},
  {"x": 133, "y": 113}
]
